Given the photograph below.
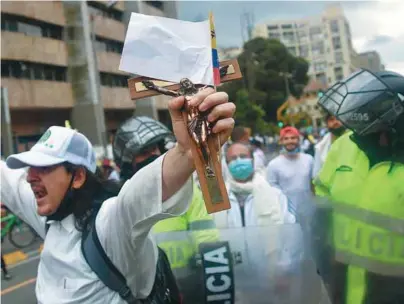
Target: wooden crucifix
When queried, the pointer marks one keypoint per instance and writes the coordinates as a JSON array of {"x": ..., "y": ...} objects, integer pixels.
[{"x": 204, "y": 144}]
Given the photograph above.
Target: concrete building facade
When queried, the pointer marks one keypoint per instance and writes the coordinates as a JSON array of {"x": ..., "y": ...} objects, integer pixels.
[
  {"x": 40, "y": 61},
  {"x": 324, "y": 40},
  {"x": 369, "y": 60}
]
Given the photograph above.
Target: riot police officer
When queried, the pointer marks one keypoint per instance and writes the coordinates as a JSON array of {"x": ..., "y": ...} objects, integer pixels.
[
  {"x": 362, "y": 181},
  {"x": 138, "y": 142}
]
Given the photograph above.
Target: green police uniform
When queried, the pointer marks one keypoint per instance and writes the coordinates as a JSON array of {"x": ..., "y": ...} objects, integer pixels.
[{"x": 366, "y": 227}]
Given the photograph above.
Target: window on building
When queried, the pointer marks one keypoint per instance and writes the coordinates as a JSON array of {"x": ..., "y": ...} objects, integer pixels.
[
  {"x": 113, "y": 80},
  {"x": 100, "y": 46},
  {"x": 320, "y": 66},
  {"x": 8, "y": 24},
  {"x": 52, "y": 31},
  {"x": 302, "y": 36},
  {"x": 322, "y": 77},
  {"x": 100, "y": 9},
  {"x": 334, "y": 26},
  {"x": 272, "y": 27},
  {"x": 274, "y": 36},
  {"x": 287, "y": 26},
  {"x": 336, "y": 43},
  {"x": 288, "y": 38},
  {"x": 316, "y": 33},
  {"x": 108, "y": 45},
  {"x": 30, "y": 27},
  {"x": 157, "y": 4},
  {"x": 339, "y": 57},
  {"x": 317, "y": 48},
  {"x": 304, "y": 51},
  {"x": 33, "y": 71},
  {"x": 339, "y": 74}
]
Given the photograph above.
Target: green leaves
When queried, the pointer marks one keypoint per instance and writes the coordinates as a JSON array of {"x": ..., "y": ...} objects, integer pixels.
[{"x": 269, "y": 72}]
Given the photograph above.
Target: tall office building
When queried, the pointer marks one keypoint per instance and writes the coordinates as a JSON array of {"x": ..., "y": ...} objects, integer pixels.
[
  {"x": 324, "y": 40},
  {"x": 59, "y": 61},
  {"x": 369, "y": 60}
]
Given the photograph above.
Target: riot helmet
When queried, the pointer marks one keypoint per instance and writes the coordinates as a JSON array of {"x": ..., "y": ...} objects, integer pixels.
[
  {"x": 367, "y": 102},
  {"x": 136, "y": 135}
]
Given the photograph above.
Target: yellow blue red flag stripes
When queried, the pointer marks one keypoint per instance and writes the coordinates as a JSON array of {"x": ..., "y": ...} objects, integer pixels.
[{"x": 215, "y": 56}]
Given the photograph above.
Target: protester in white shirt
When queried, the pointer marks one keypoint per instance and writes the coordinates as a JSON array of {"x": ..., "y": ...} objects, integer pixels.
[
  {"x": 260, "y": 161},
  {"x": 253, "y": 201},
  {"x": 336, "y": 129},
  {"x": 60, "y": 186},
  {"x": 292, "y": 171}
]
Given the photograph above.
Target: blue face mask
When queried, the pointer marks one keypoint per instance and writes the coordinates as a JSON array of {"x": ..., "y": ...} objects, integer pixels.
[{"x": 241, "y": 168}]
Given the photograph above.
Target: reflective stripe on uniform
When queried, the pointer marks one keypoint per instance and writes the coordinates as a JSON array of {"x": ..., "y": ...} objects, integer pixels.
[
  {"x": 370, "y": 217},
  {"x": 372, "y": 265},
  {"x": 201, "y": 225},
  {"x": 174, "y": 236}
]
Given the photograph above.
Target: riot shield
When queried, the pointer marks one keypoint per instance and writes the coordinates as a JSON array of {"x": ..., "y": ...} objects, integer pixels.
[
  {"x": 358, "y": 253},
  {"x": 265, "y": 264}
]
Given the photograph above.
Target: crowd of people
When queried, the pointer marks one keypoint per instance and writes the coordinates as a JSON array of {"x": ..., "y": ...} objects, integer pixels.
[{"x": 100, "y": 222}]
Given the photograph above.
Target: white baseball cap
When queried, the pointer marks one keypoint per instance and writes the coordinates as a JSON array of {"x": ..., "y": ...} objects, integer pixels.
[{"x": 57, "y": 145}]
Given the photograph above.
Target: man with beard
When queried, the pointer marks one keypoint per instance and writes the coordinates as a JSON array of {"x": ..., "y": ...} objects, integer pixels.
[
  {"x": 336, "y": 129},
  {"x": 291, "y": 171}
]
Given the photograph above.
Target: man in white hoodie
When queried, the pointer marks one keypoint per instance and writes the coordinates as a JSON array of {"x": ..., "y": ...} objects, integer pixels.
[
  {"x": 253, "y": 201},
  {"x": 336, "y": 129}
]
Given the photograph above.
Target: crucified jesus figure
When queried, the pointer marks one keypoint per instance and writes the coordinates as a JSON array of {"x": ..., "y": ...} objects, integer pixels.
[{"x": 198, "y": 126}]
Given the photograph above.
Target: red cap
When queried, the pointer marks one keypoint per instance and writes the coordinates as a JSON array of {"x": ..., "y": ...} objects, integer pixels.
[
  {"x": 291, "y": 130},
  {"x": 106, "y": 162}
]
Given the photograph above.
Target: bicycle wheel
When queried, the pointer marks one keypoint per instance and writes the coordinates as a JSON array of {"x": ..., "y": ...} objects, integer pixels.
[{"x": 21, "y": 235}]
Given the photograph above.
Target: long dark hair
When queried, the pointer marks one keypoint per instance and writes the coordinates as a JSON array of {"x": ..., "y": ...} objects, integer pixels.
[{"x": 94, "y": 189}]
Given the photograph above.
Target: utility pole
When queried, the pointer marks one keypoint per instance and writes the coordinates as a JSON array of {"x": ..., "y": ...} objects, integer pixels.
[
  {"x": 88, "y": 111},
  {"x": 286, "y": 76},
  {"x": 6, "y": 132}
]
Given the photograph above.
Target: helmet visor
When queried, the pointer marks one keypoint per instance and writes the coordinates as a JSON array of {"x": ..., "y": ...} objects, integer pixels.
[{"x": 363, "y": 103}]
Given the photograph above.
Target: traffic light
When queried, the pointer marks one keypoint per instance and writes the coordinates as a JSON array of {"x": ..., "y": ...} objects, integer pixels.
[
  {"x": 280, "y": 124},
  {"x": 320, "y": 94}
]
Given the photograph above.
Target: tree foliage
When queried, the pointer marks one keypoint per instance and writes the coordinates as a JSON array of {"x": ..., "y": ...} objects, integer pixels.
[{"x": 264, "y": 62}]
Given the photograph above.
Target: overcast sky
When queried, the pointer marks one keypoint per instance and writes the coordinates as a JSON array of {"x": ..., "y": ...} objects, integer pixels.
[{"x": 375, "y": 25}]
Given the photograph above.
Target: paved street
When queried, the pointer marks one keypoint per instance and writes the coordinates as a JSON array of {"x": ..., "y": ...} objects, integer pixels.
[{"x": 22, "y": 265}]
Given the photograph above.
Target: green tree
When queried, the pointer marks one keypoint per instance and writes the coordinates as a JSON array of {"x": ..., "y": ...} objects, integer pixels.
[
  {"x": 249, "y": 114},
  {"x": 264, "y": 62}
]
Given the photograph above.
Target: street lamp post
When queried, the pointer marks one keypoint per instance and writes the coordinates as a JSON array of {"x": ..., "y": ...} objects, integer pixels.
[{"x": 286, "y": 76}]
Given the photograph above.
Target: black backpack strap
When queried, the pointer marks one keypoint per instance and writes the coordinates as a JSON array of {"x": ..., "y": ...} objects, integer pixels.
[{"x": 101, "y": 264}]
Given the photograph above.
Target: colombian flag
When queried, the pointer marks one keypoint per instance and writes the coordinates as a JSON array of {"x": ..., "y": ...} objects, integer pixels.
[{"x": 215, "y": 56}]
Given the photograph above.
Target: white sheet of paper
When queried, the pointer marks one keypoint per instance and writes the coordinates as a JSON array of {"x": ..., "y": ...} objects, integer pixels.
[{"x": 168, "y": 49}]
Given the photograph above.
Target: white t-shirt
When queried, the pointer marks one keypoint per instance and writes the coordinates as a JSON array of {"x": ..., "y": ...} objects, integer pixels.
[
  {"x": 123, "y": 225},
  {"x": 293, "y": 176},
  {"x": 259, "y": 160}
]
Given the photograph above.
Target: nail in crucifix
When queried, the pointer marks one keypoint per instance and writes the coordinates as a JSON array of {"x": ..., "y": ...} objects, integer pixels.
[{"x": 204, "y": 144}]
